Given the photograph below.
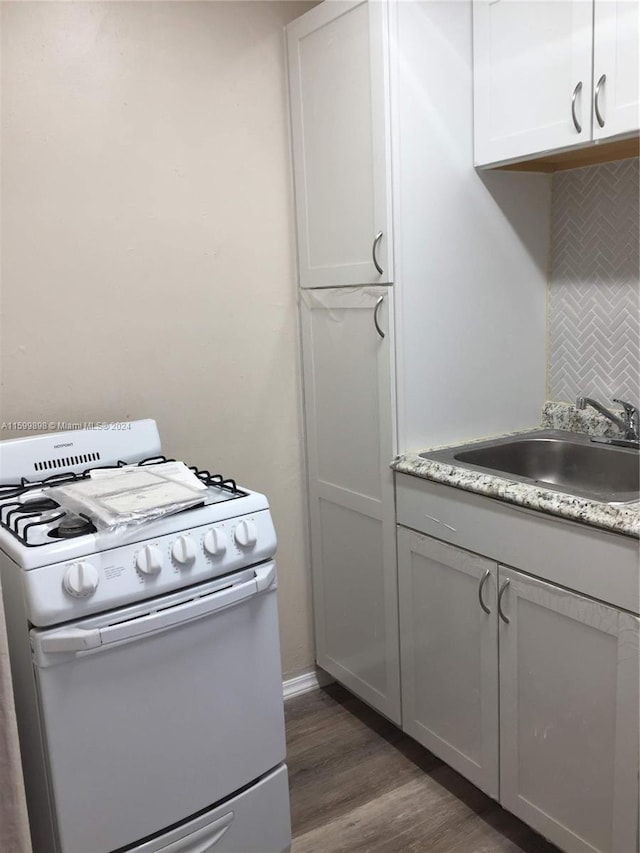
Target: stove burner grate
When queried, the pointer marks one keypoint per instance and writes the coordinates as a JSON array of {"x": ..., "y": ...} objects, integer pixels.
[{"x": 14, "y": 512}]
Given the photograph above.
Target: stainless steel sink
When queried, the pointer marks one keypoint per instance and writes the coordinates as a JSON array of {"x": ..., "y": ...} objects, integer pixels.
[{"x": 563, "y": 461}]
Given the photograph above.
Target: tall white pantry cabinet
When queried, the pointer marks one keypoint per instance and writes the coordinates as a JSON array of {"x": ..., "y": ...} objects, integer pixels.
[{"x": 422, "y": 295}]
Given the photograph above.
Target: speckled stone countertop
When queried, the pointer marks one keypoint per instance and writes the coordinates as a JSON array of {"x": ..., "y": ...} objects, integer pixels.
[{"x": 619, "y": 518}]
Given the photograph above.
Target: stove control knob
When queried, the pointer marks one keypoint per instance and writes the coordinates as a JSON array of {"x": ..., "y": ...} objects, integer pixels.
[
  {"x": 81, "y": 580},
  {"x": 215, "y": 542},
  {"x": 183, "y": 551},
  {"x": 149, "y": 560},
  {"x": 246, "y": 534}
]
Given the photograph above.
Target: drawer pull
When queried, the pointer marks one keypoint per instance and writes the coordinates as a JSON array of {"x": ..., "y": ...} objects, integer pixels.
[{"x": 437, "y": 521}]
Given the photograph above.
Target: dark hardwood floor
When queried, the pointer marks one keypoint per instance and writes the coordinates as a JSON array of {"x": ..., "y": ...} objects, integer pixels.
[{"x": 359, "y": 784}]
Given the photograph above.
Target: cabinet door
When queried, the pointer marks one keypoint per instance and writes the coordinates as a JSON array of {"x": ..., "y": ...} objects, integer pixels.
[
  {"x": 568, "y": 715},
  {"x": 530, "y": 59},
  {"x": 615, "y": 67},
  {"x": 449, "y": 654},
  {"x": 340, "y": 131},
  {"x": 350, "y": 442}
]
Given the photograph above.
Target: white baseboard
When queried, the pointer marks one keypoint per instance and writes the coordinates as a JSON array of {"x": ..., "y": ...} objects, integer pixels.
[{"x": 303, "y": 683}]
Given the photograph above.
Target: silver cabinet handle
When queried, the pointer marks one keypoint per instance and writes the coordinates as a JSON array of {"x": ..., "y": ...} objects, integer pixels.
[
  {"x": 376, "y": 242},
  {"x": 375, "y": 316},
  {"x": 485, "y": 578},
  {"x": 596, "y": 100},
  {"x": 576, "y": 92},
  {"x": 503, "y": 589}
]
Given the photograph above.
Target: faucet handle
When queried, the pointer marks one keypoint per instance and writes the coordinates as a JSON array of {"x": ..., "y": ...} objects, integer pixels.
[
  {"x": 632, "y": 418},
  {"x": 629, "y": 408}
]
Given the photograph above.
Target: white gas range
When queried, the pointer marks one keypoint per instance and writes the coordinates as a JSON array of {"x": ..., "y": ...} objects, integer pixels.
[{"x": 145, "y": 662}]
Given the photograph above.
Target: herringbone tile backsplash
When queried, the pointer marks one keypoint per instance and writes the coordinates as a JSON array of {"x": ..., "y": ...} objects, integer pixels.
[{"x": 594, "y": 304}]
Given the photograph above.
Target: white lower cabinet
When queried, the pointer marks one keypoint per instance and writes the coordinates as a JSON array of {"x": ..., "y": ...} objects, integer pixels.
[
  {"x": 568, "y": 715},
  {"x": 449, "y": 654},
  {"x": 346, "y": 351},
  {"x": 559, "y": 749}
]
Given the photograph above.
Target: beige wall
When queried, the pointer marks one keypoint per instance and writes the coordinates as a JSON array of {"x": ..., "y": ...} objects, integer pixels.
[{"x": 148, "y": 241}]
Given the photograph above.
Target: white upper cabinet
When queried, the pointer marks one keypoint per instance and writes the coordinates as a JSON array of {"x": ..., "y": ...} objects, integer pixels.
[
  {"x": 532, "y": 76},
  {"x": 340, "y": 131},
  {"x": 537, "y": 66},
  {"x": 616, "y": 67}
]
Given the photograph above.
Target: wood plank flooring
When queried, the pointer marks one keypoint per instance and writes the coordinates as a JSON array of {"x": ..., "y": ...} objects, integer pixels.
[{"x": 359, "y": 784}]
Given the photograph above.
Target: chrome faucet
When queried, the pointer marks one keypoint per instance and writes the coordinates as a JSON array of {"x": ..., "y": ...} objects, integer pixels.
[{"x": 630, "y": 425}]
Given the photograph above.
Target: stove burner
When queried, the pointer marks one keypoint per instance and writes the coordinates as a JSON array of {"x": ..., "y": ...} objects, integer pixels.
[
  {"x": 71, "y": 526},
  {"x": 39, "y": 504}
]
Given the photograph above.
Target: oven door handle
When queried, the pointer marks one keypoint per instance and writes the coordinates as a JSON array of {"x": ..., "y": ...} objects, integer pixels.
[{"x": 82, "y": 639}]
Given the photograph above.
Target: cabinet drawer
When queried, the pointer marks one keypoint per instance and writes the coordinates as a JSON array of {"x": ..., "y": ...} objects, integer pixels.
[{"x": 594, "y": 562}]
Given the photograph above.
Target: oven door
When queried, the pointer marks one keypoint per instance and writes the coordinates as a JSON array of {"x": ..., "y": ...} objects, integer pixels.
[{"x": 157, "y": 711}]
